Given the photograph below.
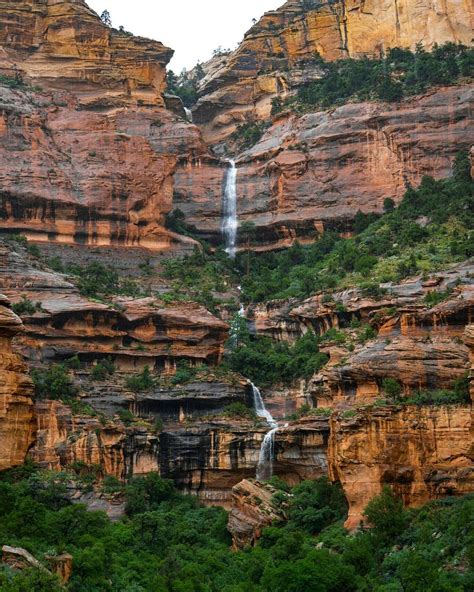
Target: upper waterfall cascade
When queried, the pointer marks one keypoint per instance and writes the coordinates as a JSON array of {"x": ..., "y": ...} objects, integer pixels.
[{"x": 229, "y": 209}]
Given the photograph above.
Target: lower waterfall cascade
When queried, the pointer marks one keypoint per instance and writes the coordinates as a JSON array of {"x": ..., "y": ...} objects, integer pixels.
[{"x": 267, "y": 449}]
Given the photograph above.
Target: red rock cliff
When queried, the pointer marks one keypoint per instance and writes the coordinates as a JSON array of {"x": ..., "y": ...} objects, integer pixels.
[
  {"x": 17, "y": 425},
  {"x": 270, "y": 60},
  {"x": 90, "y": 158}
]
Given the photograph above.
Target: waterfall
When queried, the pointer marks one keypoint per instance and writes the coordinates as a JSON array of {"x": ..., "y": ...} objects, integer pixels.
[
  {"x": 189, "y": 114},
  {"x": 229, "y": 209},
  {"x": 265, "y": 459}
]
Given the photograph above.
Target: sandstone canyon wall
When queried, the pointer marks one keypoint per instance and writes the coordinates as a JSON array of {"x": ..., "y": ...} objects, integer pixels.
[
  {"x": 90, "y": 147},
  {"x": 17, "y": 425},
  {"x": 313, "y": 173},
  {"x": 95, "y": 158},
  {"x": 275, "y": 52}
]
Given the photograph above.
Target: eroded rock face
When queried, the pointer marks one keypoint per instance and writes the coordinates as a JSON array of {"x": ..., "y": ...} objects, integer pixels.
[
  {"x": 17, "y": 427},
  {"x": 90, "y": 158},
  {"x": 63, "y": 44},
  {"x": 133, "y": 332},
  {"x": 252, "y": 510},
  {"x": 423, "y": 453},
  {"x": 313, "y": 173},
  {"x": 205, "y": 458},
  {"x": 277, "y": 54},
  {"x": 421, "y": 349}
]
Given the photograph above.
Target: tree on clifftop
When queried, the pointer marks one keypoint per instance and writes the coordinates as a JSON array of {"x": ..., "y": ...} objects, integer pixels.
[{"x": 106, "y": 19}]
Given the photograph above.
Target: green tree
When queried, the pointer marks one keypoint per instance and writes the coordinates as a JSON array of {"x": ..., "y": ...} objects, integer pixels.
[{"x": 386, "y": 515}]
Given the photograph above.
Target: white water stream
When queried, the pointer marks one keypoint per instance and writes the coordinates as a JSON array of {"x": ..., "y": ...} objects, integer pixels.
[
  {"x": 229, "y": 209},
  {"x": 267, "y": 449}
]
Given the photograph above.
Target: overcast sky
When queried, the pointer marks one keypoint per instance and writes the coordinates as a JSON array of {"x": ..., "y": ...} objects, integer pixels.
[{"x": 192, "y": 28}]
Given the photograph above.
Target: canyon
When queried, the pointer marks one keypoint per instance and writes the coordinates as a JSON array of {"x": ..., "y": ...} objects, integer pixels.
[{"x": 95, "y": 157}]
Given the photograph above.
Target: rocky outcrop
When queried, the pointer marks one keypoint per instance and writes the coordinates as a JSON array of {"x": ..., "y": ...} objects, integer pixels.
[
  {"x": 253, "y": 508},
  {"x": 89, "y": 157},
  {"x": 18, "y": 558},
  {"x": 205, "y": 457},
  {"x": 278, "y": 53},
  {"x": 63, "y": 44},
  {"x": 17, "y": 427},
  {"x": 313, "y": 173},
  {"x": 421, "y": 349},
  {"x": 132, "y": 332},
  {"x": 423, "y": 453}
]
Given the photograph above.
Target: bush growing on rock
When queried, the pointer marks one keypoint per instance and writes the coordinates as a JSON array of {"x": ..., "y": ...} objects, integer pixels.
[
  {"x": 142, "y": 382},
  {"x": 53, "y": 382},
  {"x": 392, "y": 388}
]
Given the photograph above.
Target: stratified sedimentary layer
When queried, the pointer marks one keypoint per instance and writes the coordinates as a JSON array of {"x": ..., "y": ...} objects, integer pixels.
[
  {"x": 278, "y": 53},
  {"x": 17, "y": 426},
  {"x": 314, "y": 173},
  {"x": 423, "y": 453},
  {"x": 89, "y": 156},
  {"x": 63, "y": 44}
]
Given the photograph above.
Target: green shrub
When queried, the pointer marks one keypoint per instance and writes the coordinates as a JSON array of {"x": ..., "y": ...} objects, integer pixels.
[
  {"x": 111, "y": 484},
  {"x": 142, "y": 382},
  {"x": 386, "y": 515},
  {"x": 158, "y": 425},
  {"x": 392, "y": 388},
  {"x": 53, "y": 382},
  {"x": 248, "y": 134},
  {"x": 400, "y": 73},
  {"x": 184, "y": 373},
  {"x": 238, "y": 410},
  {"x": 433, "y": 298},
  {"x": 24, "y": 307},
  {"x": 56, "y": 264},
  {"x": 34, "y": 251},
  {"x": 96, "y": 280},
  {"x": 267, "y": 362},
  {"x": 102, "y": 370},
  {"x": 316, "y": 504},
  {"x": 126, "y": 416}
]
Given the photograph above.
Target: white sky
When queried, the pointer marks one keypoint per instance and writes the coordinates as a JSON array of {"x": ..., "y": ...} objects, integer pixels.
[{"x": 193, "y": 28}]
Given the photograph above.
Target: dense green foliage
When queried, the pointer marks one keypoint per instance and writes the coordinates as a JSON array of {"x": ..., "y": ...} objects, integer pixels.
[
  {"x": 167, "y": 543},
  {"x": 53, "y": 382},
  {"x": 432, "y": 226},
  {"x": 140, "y": 383},
  {"x": 199, "y": 277},
  {"x": 458, "y": 394},
  {"x": 248, "y": 134},
  {"x": 267, "y": 362},
  {"x": 95, "y": 280},
  {"x": 400, "y": 73},
  {"x": 185, "y": 85}
]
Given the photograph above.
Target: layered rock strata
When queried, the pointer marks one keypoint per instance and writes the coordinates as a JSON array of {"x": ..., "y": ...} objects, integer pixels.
[
  {"x": 17, "y": 426},
  {"x": 278, "y": 53},
  {"x": 423, "y": 453},
  {"x": 313, "y": 173},
  {"x": 91, "y": 152}
]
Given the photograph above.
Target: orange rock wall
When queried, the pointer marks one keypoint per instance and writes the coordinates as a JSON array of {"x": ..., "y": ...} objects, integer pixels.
[
  {"x": 423, "y": 453},
  {"x": 17, "y": 427},
  {"x": 268, "y": 61},
  {"x": 89, "y": 156}
]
